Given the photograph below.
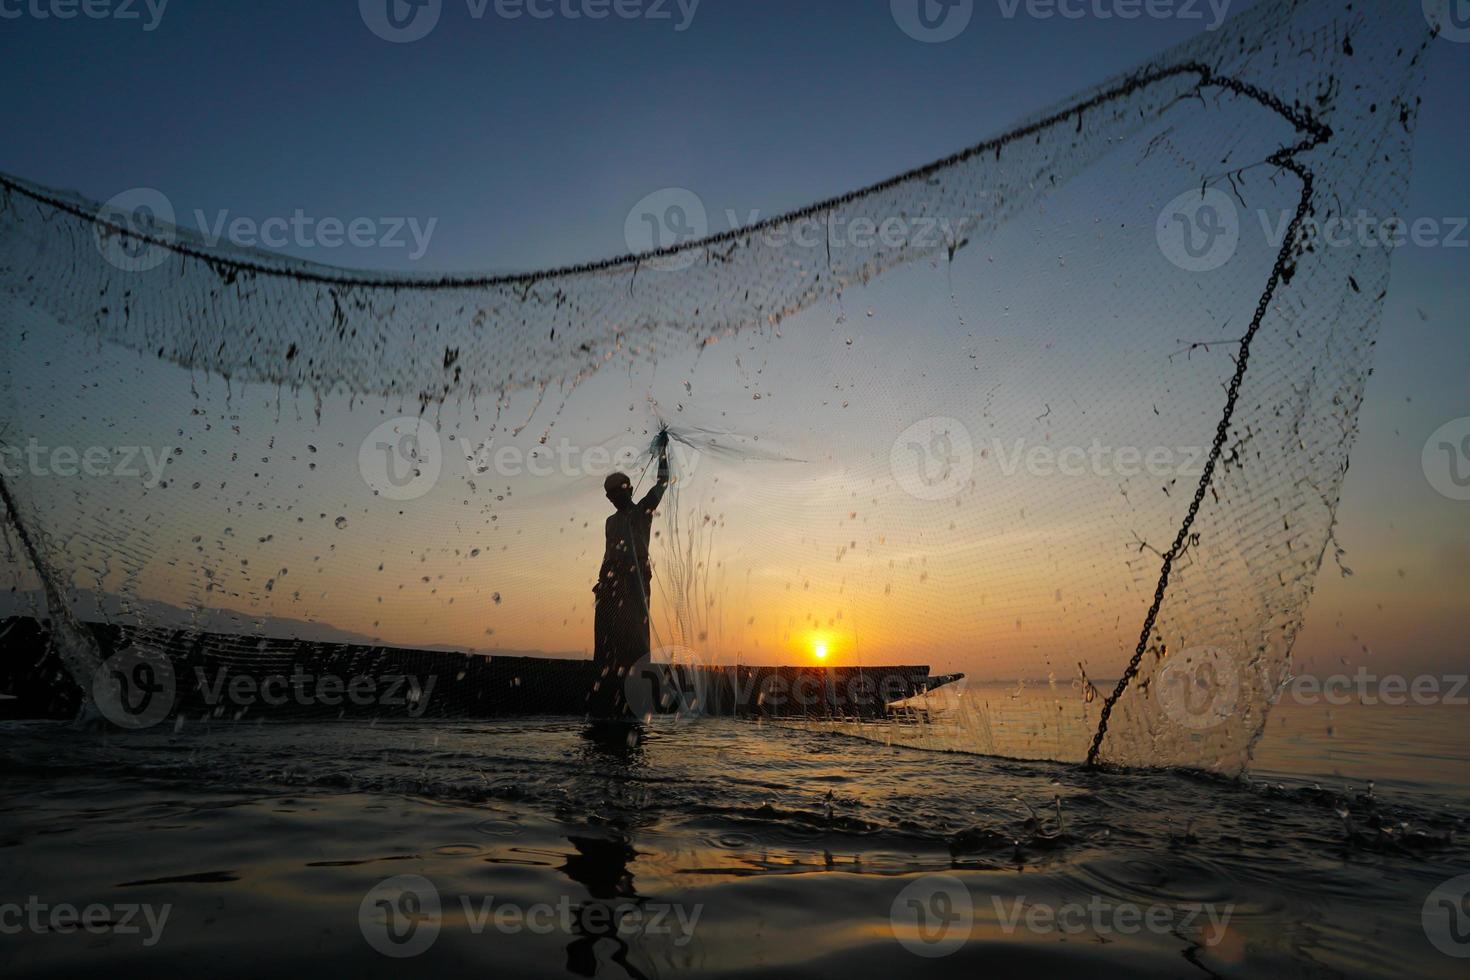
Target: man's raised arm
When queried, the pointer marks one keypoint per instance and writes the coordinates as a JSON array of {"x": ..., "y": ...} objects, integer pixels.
[{"x": 651, "y": 501}]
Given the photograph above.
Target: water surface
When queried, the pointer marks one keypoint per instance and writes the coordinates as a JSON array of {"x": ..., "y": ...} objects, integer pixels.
[{"x": 729, "y": 848}]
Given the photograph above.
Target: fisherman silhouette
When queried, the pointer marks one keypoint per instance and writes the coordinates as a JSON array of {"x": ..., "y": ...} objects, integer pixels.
[{"x": 624, "y": 584}]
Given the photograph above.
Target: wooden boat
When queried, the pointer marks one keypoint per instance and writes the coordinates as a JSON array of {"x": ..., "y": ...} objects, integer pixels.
[{"x": 161, "y": 674}]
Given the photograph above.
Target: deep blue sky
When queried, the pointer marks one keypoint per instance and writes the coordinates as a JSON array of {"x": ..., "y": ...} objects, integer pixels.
[{"x": 530, "y": 140}]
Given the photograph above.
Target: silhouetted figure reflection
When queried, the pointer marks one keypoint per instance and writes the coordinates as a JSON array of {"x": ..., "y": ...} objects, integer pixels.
[
  {"x": 613, "y": 759},
  {"x": 600, "y": 865},
  {"x": 624, "y": 584}
]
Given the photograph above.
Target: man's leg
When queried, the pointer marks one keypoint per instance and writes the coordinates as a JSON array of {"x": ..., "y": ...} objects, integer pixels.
[{"x": 600, "y": 702}]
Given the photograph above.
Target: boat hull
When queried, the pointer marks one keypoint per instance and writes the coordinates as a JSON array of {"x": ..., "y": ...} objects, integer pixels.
[{"x": 215, "y": 675}]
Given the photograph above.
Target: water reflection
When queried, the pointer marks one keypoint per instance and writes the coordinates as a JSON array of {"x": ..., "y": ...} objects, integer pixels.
[{"x": 600, "y": 863}]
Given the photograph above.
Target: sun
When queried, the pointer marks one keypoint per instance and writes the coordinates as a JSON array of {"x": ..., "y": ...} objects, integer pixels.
[{"x": 818, "y": 645}]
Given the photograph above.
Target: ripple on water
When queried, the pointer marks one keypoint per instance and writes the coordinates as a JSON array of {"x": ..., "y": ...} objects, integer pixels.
[
  {"x": 731, "y": 841},
  {"x": 498, "y": 827},
  {"x": 1158, "y": 877}
]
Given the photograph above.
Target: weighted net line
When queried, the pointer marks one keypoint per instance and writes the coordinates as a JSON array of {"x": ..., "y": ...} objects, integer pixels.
[
  {"x": 1316, "y": 135},
  {"x": 230, "y": 268},
  {"x": 347, "y": 291}
]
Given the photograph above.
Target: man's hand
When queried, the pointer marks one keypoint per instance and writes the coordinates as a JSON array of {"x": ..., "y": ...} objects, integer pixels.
[{"x": 662, "y": 442}]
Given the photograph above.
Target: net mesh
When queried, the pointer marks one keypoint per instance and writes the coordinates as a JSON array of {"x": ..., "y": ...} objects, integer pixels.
[{"x": 1072, "y": 405}]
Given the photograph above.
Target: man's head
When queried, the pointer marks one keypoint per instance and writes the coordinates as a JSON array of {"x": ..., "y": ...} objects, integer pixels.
[{"x": 619, "y": 490}]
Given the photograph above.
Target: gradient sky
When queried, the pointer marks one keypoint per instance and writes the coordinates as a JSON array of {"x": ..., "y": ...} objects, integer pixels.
[{"x": 530, "y": 141}]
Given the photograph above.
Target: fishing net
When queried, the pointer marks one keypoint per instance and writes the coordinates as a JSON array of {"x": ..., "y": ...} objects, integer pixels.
[{"x": 1070, "y": 409}]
